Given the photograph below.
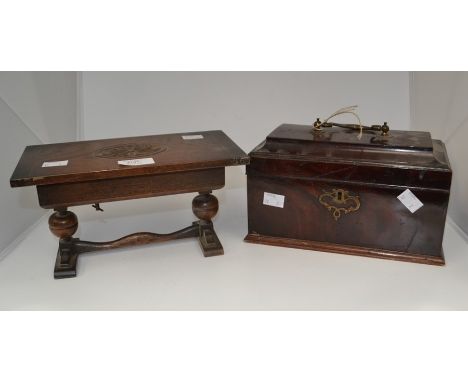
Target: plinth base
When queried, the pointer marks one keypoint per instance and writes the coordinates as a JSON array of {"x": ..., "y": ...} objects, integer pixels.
[{"x": 346, "y": 249}]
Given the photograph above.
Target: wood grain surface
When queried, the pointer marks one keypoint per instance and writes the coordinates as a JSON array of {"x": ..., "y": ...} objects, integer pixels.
[
  {"x": 98, "y": 159},
  {"x": 366, "y": 217}
]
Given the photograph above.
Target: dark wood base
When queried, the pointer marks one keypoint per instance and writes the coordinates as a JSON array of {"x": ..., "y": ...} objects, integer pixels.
[
  {"x": 345, "y": 249},
  {"x": 69, "y": 250},
  {"x": 64, "y": 223},
  {"x": 209, "y": 242},
  {"x": 65, "y": 264}
]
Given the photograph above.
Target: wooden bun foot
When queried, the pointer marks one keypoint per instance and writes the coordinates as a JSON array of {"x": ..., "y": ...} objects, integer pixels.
[
  {"x": 63, "y": 224},
  {"x": 205, "y": 206}
]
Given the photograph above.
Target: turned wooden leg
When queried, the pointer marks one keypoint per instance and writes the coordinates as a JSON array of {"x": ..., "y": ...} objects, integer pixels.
[
  {"x": 63, "y": 224},
  {"x": 205, "y": 206}
]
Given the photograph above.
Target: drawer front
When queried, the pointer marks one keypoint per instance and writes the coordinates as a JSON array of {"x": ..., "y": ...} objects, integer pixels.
[{"x": 145, "y": 186}]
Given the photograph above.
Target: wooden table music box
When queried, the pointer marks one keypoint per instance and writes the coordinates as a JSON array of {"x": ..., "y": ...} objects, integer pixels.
[
  {"x": 92, "y": 172},
  {"x": 351, "y": 189}
]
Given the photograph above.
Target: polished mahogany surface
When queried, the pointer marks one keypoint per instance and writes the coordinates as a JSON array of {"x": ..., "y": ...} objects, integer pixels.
[
  {"x": 368, "y": 174},
  {"x": 404, "y": 149},
  {"x": 98, "y": 159},
  {"x": 396, "y": 139}
]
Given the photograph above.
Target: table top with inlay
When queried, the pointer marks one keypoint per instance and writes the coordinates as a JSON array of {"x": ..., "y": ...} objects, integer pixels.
[{"x": 123, "y": 157}]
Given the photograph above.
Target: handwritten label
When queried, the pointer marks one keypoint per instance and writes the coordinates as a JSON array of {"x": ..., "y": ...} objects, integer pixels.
[
  {"x": 188, "y": 137},
  {"x": 136, "y": 162},
  {"x": 410, "y": 201},
  {"x": 55, "y": 164},
  {"x": 273, "y": 200}
]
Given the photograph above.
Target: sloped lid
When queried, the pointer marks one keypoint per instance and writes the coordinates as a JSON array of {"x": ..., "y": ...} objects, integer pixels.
[
  {"x": 409, "y": 140},
  {"x": 335, "y": 144}
]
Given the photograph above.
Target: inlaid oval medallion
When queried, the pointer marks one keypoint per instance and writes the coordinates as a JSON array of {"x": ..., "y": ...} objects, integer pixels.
[{"x": 129, "y": 151}]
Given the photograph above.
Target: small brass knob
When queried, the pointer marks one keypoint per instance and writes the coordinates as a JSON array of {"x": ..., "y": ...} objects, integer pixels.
[
  {"x": 317, "y": 122},
  {"x": 385, "y": 129}
]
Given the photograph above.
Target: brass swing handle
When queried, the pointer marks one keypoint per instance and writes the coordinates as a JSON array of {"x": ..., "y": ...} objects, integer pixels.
[{"x": 384, "y": 129}]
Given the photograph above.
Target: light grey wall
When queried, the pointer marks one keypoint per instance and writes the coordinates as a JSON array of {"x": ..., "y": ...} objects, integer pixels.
[
  {"x": 35, "y": 108},
  {"x": 439, "y": 104},
  {"x": 18, "y": 207},
  {"x": 46, "y": 102},
  {"x": 246, "y": 105}
]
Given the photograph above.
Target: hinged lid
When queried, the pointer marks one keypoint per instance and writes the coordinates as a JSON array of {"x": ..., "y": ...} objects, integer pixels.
[
  {"x": 108, "y": 158},
  {"x": 398, "y": 148},
  {"x": 400, "y": 159},
  {"x": 406, "y": 140}
]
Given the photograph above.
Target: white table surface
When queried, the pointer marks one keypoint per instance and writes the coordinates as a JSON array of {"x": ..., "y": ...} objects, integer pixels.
[{"x": 175, "y": 275}]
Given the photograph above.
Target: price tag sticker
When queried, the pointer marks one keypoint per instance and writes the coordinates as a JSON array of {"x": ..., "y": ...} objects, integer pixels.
[
  {"x": 410, "y": 201},
  {"x": 136, "y": 162},
  {"x": 273, "y": 200},
  {"x": 55, "y": 164},
  {"x": 189, "y": 137}
]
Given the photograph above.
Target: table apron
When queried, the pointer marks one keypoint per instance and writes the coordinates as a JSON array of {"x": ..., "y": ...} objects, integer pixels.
[{"x": 62, "y": 195}]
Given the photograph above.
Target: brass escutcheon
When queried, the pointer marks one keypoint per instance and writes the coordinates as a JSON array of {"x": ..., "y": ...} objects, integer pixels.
[{"x": 338, "y": 200}]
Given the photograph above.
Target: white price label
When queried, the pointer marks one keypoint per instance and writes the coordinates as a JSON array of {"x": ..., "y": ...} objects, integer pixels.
[
  {"x": 273, "y": 200},
  {"x": 188, "y": 137},
  {"x": 410, "y": 201},
  {"x": 55, "y": 164},
  {"x": 136, "y": 162}
]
